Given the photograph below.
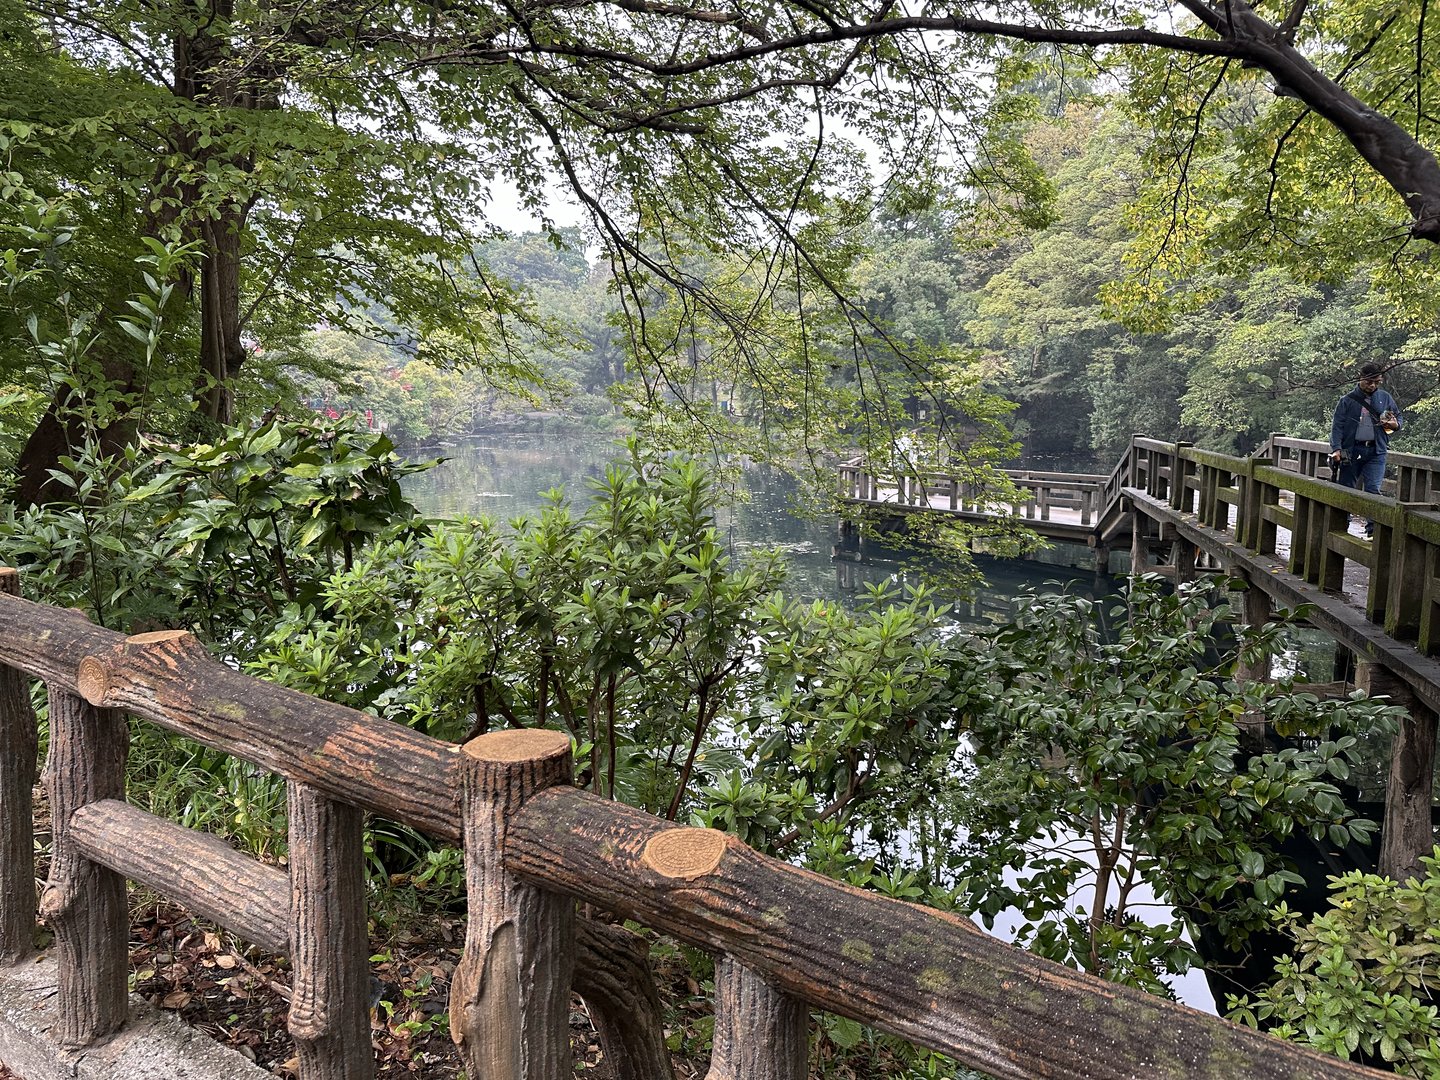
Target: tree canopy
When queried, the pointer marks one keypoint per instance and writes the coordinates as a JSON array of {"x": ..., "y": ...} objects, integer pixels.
[{"x": 323, "y": 158}]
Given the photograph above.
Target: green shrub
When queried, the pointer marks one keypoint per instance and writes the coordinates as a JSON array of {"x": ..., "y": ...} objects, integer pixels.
[{"x": 1365, "y": 975}]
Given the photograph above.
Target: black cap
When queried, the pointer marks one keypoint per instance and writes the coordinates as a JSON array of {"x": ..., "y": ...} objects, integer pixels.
[{"x": 1369, "y": 370}]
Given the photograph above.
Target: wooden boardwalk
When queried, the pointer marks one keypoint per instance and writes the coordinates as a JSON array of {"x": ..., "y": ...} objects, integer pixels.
[
  {"x": 1273, "y": 518},
  {"x": 1275, "y": 522}
]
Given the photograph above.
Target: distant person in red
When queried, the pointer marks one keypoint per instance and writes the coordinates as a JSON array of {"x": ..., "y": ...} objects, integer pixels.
[{"x": 1365, "y": 418}]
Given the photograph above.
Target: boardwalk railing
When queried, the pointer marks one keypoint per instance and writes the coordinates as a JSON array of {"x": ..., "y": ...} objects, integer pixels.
[
  {"x": 787, "y": 940},
  {"x": 1078, "y": 493},
  {"x": 1284, "y": 485},
  {"x": 1285, "y": 489}
]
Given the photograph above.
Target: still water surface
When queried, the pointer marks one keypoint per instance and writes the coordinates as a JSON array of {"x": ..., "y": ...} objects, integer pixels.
[{"x": 505, "y": 476}]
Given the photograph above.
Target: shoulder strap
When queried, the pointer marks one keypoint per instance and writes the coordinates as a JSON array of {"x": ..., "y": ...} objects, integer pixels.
[{"x": 1365, "y": 400}]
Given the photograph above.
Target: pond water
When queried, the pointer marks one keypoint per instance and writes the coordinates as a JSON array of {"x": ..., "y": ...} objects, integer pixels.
[{"x": 506, "y": 476}]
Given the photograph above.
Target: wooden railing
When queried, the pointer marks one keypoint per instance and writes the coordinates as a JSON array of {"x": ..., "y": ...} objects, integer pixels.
[
  {"x": 1285, "y": 486},
  {"x": 787, "y": 940},
  {"x": 1079, "y": 493}
]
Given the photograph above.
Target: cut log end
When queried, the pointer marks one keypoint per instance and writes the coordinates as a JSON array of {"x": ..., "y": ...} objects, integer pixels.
[
  {"x": 93, "y": 680},
  {"x": 521, "y": 744},
  {"x": 684, "y": 853},
  {"x": 157, "y": 637},
  {"x": 9, "y": 581}
]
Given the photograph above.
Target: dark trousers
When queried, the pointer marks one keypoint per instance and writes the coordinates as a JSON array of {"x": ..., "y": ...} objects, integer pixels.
[{"x": 1365, "y": 469}]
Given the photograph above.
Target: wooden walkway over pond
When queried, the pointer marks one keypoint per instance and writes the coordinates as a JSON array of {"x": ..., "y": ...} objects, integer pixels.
[{"x": 1275, "y": 521}]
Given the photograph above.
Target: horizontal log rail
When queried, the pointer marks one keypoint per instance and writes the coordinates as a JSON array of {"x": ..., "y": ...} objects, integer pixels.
[{"x": 791, "y": 938}]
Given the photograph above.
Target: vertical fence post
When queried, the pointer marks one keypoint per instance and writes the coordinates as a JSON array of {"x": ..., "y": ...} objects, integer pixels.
[
  {"x": 761, "y": 1033},
  {"x": 1181, "y": 470},
  {"x": 510, "y": 999},
  {"x": 329, "y": 942},
  {"x": 18, "y": 746},
  {"x": 83, "y": 901}
]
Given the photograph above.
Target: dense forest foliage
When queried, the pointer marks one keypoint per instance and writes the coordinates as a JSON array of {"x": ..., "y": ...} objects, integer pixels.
[
  {"x": 233, "y": 234},
  {"x": 1041, "y": 318}
]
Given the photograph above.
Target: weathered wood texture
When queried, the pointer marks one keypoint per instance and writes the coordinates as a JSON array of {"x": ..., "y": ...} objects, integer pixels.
[
  {"x": 1332, "y": 614},
  {"x": 761, "y": 1033},
  {"x": 923, "y": 975},
  {"x": 214, "y": 881},
  {"x": 1407, "y": 833},
  {"x": 613, "y": 975},
  {"x": 201, "y": 872},
  {"x": 329, "y": 946},
  {"x": 169, "y": 679},
  {"x": 510, "y": 998},
  {"x": 47, "y": 642},
  {"x": 84, "y": 902},
  {"x": 18, "y": 747},
  {"x": 919, "y": 974}
]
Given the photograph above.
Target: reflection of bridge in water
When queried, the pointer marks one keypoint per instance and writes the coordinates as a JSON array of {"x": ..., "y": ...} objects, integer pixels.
[{"x": 1272, "y": 521}]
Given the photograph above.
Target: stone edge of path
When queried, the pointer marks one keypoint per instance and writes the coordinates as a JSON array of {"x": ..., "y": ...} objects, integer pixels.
[{"x": 154, "y": 1044}]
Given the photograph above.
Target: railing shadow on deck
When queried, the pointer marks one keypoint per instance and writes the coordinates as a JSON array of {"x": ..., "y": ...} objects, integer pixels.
[{"x": 787, "y": 940}]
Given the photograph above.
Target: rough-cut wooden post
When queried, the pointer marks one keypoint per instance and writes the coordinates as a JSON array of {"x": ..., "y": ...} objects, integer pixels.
[
  {"x": 329, "y": 945},
  {"x": 18, "y": 745},
  {"x": 613, "y": 975},
  {"x": 761, "y": 1033},
  {"x": 1406, "y": 834},
  {"x": 83, "y": 901},
  {"x": 510, "y": 999},
  {"x": 930, "y": 977}
]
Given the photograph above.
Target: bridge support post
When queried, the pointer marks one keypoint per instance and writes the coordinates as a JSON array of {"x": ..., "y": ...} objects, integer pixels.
[
  {"x": 746, "y": 1006},
  {"x": 1140, "y": 527},
  {"x": 18, "y": 747},
  {"x": 1257, "y": 608},
  {"x": 1182, "y": 558},
  {"x": 510, "y": 1000},
  {"x": 1407, "y": 833}
]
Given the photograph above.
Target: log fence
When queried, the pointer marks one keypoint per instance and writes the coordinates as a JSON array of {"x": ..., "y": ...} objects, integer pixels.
[{"x": 787, "y": 940}]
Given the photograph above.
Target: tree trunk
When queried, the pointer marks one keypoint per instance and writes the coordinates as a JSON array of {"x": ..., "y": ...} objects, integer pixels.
[
  {"x": 207, "y": 74},
  {"x": 221, "y": 351},
  {"x": 61, "y": 433}
]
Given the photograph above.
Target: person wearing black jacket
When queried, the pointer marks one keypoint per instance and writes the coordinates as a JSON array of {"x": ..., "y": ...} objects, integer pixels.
[{"x": 1365, "y": 418}]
